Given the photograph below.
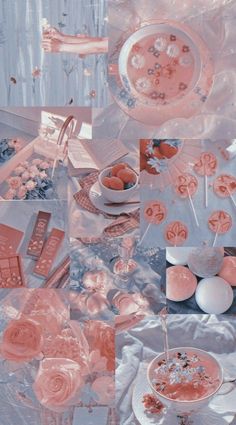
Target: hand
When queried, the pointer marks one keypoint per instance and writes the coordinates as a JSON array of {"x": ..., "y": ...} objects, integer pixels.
[
  {"x": 53, "y": 33},
  {"x": 52, "y": 45}
]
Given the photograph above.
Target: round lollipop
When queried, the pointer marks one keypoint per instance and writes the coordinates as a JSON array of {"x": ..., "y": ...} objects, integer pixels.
[
  {"x": 155, "y": 212},
  {"x": 176, "y": 233},
  {"x": 219, "y": 222},
  {"x": 225, "y": 186},
  {"x": 186, "y": 186},
  {"x": 206, "y": 166}
]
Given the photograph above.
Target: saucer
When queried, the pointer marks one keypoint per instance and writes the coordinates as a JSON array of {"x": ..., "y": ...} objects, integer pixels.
[
  {"x": 162, "y": 71},
  {"x": 99, "y": 201},
  {"x": 206, "y": 416}
]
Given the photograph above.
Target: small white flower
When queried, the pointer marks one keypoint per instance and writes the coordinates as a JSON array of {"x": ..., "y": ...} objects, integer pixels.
[
  {"x": 186, "y": 61},
  {"x": 138, "y": 61},
  {"x": 143, "y": 85},
  {"x": 160, "y": 44},
  {"x": 173, "y": 51}
]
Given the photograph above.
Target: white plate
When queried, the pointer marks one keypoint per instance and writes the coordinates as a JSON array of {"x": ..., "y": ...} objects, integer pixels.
[
  {"x": 98, "y": 201},
  {"x": 206, "y": 416}
]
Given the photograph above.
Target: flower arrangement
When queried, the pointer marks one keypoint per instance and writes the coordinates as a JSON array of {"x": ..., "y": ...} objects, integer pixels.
[
  {"x": 8, "y": 148},
  {"x": 71, "y": 364},
  {"x": 154, "y": 154},
  {"x": 31, "y": 181}
]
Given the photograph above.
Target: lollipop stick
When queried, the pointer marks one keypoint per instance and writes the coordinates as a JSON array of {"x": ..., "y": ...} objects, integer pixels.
[
  {"x": 193, "y": 209},
  {"x": 216, "y": 235},
  {"x": 145, "y": 234},
  {"x": 206, "y": 190},
  {"x": 233, "y": 200},
  {"x": 215, "y": 239}
]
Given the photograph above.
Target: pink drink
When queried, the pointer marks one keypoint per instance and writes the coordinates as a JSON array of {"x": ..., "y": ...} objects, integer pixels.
[
  {"x": 161, "y": 68},
  {"x": 189, "y": 376}
]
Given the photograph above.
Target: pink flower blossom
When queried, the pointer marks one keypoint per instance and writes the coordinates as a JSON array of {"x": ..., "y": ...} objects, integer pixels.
[
  {"x": 21, "y": 192},
  {"x": 19, "y": 170},
  {"x": 10, "y": 194},
  {"x": 30, "y": 185},
  {"x": 25, "y": 176},
  {"x": 36, "y": 161},
  {"x": 14, "y": 182},
  {"x": 33, "y": 169},
  {"x": 44, "y": 165},
  {"x": 36, "y": 72},
  {"x": 43, "y": 175}
]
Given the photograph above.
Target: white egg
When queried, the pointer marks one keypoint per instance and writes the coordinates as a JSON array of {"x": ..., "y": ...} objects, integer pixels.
[
  {"x": 206, "y": 261},
  {"x": 214, "y": 295},
  {"x": 178, "y": 256}
]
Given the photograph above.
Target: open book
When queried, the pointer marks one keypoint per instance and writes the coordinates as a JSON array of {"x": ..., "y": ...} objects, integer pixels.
[{"x": 90, "y": 155}]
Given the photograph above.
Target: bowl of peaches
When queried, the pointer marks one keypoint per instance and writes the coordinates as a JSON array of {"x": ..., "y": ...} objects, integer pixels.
[{"x": 118, "y": 183}]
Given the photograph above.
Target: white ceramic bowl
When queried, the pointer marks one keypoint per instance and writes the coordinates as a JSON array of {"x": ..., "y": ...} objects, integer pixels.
[
  {"x": 179, "y": 406},
  {"x": 117, "y": 196}
]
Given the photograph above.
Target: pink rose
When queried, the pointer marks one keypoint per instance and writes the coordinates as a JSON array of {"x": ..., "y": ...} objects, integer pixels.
[
  {"x": 25, "y": 176},
  {"x": 58, "y": 383},
  {"x": 14, "y": 182},
  {"x": 102, "y": 337},
  {"x": 10, "y": 194},
  {"x": 105, "y": 389},
  {"x": 33, "y": 169},
  {"x": 19, "y": 170},
  {"x": 44, "y": 165},
  {"x": 36, "y": 161},
  {"x": 22, "y": 340},
  {"x": 30, "y": 185},
  {"x": 21, "y": 192}
]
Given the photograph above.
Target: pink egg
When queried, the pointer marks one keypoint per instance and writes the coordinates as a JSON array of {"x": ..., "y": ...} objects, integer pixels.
[
  {"x": 228, "y": 270},
  {"x": 181, "y": 283}
]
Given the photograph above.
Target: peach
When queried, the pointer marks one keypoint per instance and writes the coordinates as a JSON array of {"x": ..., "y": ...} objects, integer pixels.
[
  {"x": 106, "y": 181},
  {"x": 117, "y": 167},
  {"x": 127, "y": 175},
  {"x": 116, "y": 183}
]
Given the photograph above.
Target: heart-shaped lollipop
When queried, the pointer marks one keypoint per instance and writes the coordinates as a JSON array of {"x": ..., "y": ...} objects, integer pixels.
[
  {"x": 155, "y": 212},
  {"x": 225, "y": 186},
  {"x": 186, "y": 186},
  {"x": 176, "y": 233},
  {"x": 206, "y": 166},
  {"x": 219, "y": 222}
]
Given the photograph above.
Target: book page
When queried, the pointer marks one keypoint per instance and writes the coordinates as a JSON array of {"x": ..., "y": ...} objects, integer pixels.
[{"x": 95, "y": 154}]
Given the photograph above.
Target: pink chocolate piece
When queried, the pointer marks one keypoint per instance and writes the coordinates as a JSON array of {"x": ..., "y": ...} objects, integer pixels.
[
  {"x": 220, "y": 222},
  {"x": 155, "y": 212},
  {"x": 176, "y": 233},
  {"x": 206, "y": 165},
  {"x": 224, "y": 185},
  {"x": 186, "y": 185}
]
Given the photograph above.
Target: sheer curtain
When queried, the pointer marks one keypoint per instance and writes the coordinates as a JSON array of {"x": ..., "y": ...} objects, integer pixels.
[{"x": 63, "y": 78}]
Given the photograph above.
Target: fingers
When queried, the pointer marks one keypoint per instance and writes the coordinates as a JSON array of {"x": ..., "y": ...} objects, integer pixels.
[{"x": 49, "y": 46}]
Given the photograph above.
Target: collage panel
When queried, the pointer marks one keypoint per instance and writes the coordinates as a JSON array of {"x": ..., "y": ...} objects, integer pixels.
[
  {"x": 54, "y": 369},
  {"x": 117, "y": 212},
  {"x": 117, "y": 278},
  {"x": 187, "y": 192},
  {"x": 58, "y": 53},
  {"x": 170, "y": 70},
  {"x": 101, "y": 204},
  {"x": 199, "y": 389},
  {"x": 200, "y": 280}
]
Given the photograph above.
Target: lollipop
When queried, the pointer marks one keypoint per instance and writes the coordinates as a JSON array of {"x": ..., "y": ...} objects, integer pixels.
[
  {"x": 186, "y": 187},
  {"x": 224, "y": 186},
  {"x": 219, "y": 222},
  {"x": 176, "y": 233},
  {"x": 206, "y": 166},
  {"x": 155, "y": 212}
]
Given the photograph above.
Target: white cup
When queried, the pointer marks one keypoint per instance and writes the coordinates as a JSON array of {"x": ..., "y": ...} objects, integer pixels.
[
  {"x": 188, "y": 407},
  {"x": 117, "y": 196}
]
